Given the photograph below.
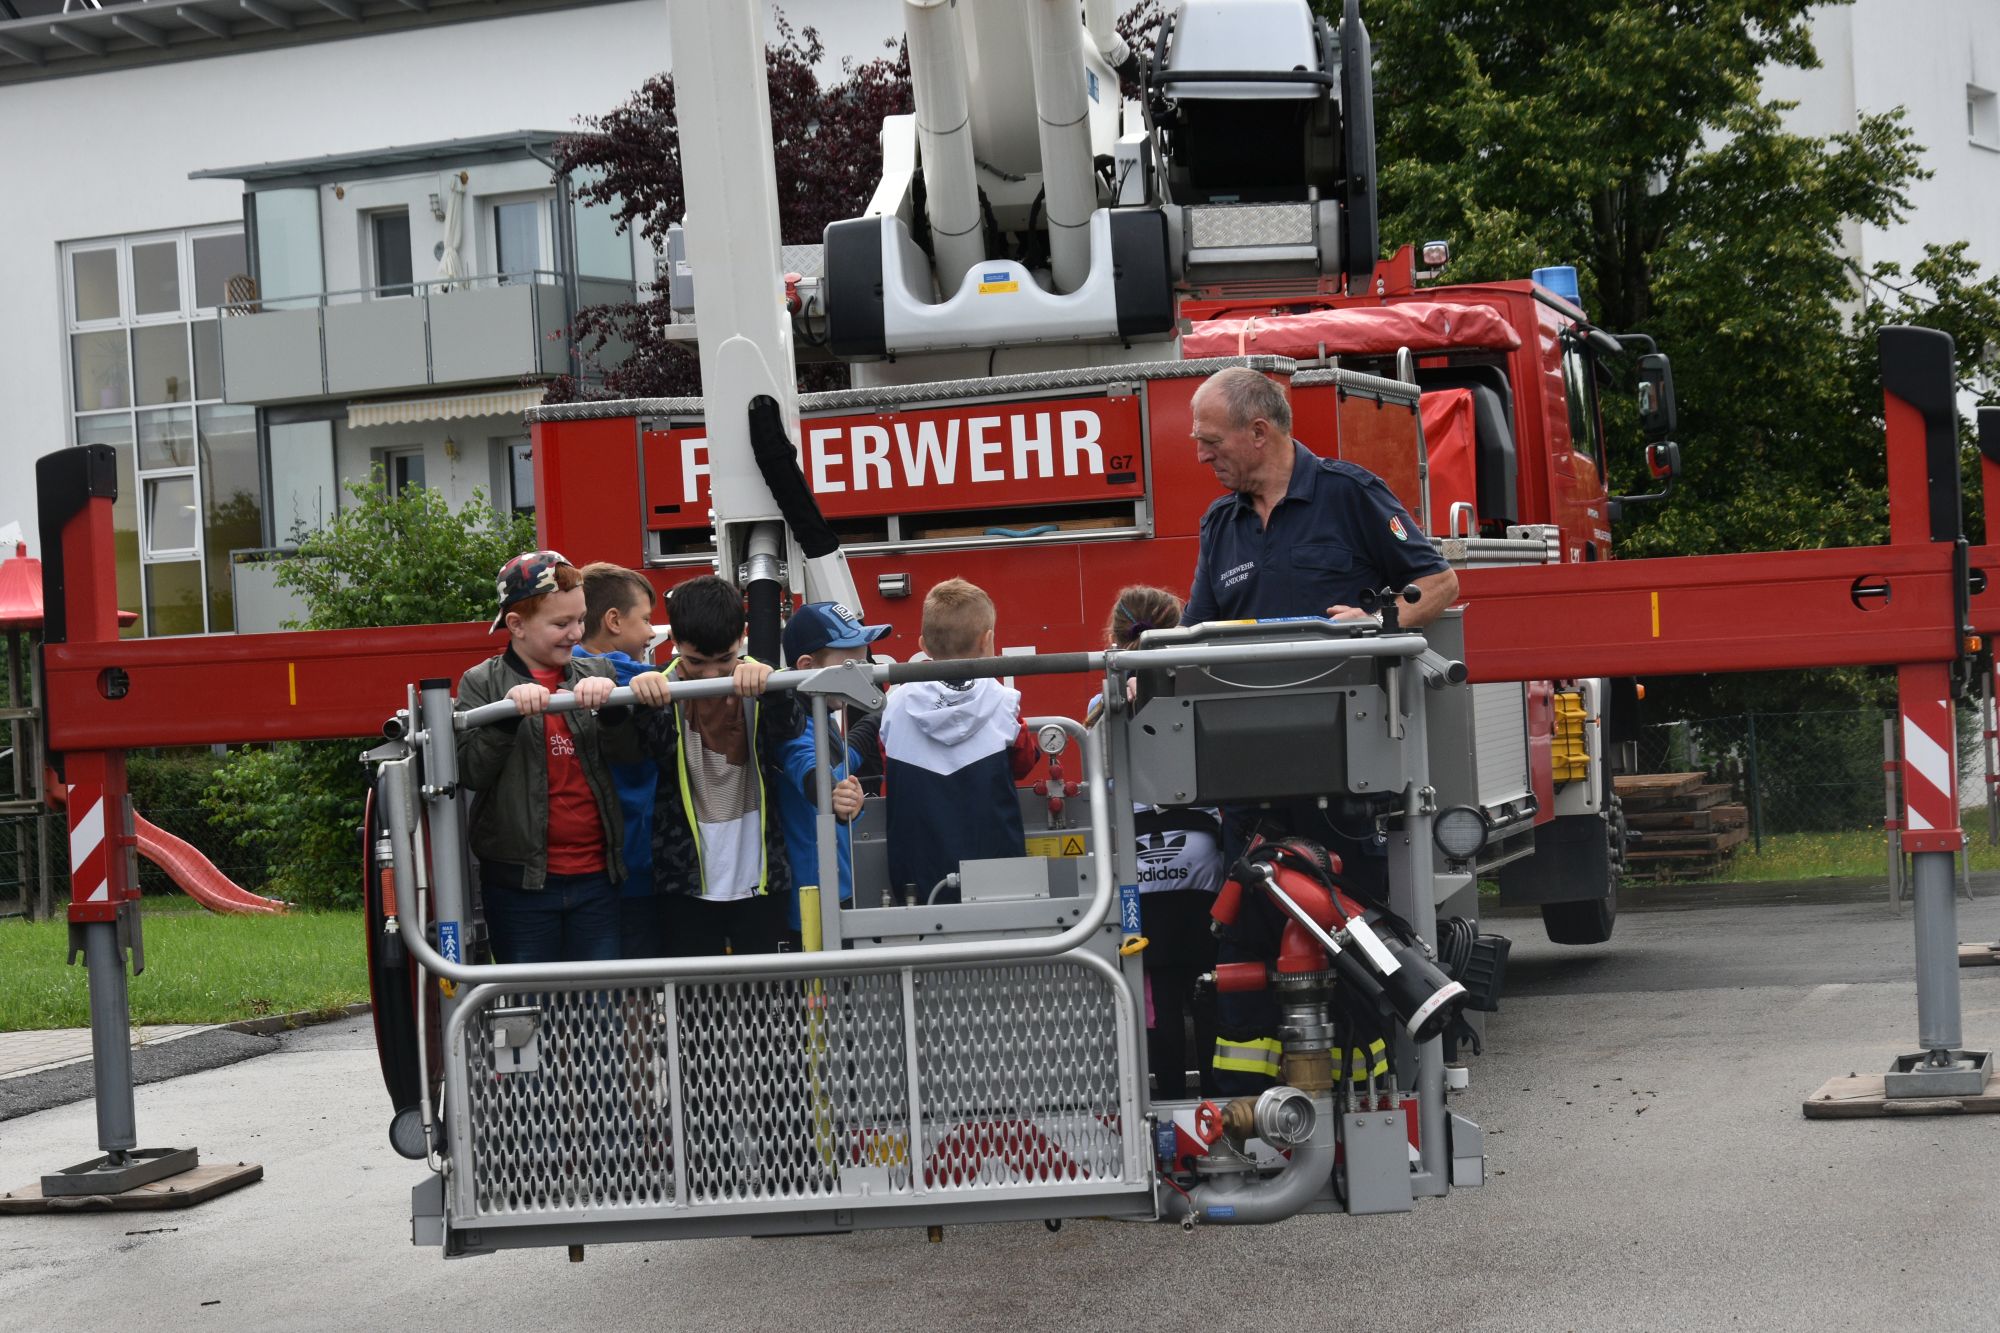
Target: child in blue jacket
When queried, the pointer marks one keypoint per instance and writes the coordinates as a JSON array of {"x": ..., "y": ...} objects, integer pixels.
[
  {"x": 618, "y": 627},
  {"x": 824, "y": 634}
]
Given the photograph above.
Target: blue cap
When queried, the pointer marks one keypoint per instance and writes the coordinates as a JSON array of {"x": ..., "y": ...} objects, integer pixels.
[
  {"x": 1561, "y": 281},
  {"x": 818, "y": 625}
]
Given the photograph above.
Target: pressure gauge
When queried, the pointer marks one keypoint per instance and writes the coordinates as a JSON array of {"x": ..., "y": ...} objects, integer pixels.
[{"x": 1053, "y": 739}]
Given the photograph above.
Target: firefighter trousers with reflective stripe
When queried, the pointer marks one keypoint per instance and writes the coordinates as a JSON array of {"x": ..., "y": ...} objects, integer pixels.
[{"x": 1247, "y": 1048}]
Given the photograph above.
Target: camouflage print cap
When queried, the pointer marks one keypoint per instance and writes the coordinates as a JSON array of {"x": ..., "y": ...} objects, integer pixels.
[{"x": 529, "y": 574}]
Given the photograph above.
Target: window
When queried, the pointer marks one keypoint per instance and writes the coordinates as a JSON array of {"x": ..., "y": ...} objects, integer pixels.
[
  {"x": 288, "y": 253},
  {"x": 218, "y": 259},
  {"x": 390, "y": 235},
  {"x": 1580, "y": 388},
  {"x": 521, "y": 477},
  {"x": 517, "y": 240},
  {"x": 94, "y": 285},
  {"x": 406, "y": 469},
  {"x": 1982, "y": 116},
  {"x": 171, "y": 517},
  {"x": 304, "y": 490},
  {"x": 156, "y": 278},
  {"x": 145, "y": 379}
]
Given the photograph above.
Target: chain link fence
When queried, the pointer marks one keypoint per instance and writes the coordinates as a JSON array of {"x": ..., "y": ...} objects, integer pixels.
[
  {"x": 32, "y": 846},
  {"x": 1803, "y": 772},
  {"x": 1806, "y": 784}
]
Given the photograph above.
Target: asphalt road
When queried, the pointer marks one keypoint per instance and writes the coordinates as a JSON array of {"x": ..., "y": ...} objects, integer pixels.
[{"x": 1650, "y": 1169}]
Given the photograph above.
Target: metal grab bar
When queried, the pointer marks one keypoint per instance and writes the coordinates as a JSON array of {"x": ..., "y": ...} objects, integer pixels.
[
  {"x": 1409, "y": 644},
  {"x": 835, "y": 962}
]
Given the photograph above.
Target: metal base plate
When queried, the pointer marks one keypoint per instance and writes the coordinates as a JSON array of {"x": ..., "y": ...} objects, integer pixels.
[
  {"x": 1965, "y": 1076},
  {"x": 182, "y": 1191},
  {"x": 142, "y": 1166},
  {"x": 1860, "y": 1096}
]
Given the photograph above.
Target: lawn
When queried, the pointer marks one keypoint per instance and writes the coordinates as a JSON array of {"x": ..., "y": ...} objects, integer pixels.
[
  {"x": 1862, "y": 853},
  {"x": 200, "y": 968}
]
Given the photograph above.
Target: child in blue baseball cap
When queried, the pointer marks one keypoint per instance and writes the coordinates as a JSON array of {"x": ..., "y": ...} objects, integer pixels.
[{"x": 824, "y": 634}]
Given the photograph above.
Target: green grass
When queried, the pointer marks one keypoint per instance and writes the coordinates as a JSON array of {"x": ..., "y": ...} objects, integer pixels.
[
  {"x": 1862, "y": 853},
  {"x": 200, "y": 968}
]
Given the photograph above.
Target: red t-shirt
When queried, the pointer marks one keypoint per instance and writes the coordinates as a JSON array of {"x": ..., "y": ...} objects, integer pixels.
[{"x": 576, "y": 830}]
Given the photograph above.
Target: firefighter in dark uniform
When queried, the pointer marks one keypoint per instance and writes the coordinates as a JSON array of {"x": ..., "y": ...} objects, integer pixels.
[{"x": 1297, "y": 535}]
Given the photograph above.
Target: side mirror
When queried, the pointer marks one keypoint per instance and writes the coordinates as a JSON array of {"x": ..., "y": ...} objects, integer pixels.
[
  {"x": 1663, "y": 461},
  {"x": 1657, "y": 417}
]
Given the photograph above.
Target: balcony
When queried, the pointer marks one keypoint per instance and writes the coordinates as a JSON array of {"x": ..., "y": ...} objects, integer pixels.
[{"x": 351, "y": 344}]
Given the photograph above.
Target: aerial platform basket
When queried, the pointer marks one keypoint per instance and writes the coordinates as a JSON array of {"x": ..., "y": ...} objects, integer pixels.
[{"x": 955, "y": 1062}]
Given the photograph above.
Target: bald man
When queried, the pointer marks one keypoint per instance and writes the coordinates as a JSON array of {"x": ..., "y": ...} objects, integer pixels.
[{"x": 1297, "y": 535}]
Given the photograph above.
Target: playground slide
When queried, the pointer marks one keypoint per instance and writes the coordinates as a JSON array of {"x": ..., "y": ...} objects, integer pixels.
[{"x": 195, "y": 873}]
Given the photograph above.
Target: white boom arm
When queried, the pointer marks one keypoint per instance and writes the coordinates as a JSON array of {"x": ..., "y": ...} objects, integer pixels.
[{"x": 745, "y": 332}]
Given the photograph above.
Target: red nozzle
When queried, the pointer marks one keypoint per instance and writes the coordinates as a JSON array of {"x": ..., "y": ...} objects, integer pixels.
[
  {"x": 1227, "y": 903},
  {"x": 1234, "y": 978}
]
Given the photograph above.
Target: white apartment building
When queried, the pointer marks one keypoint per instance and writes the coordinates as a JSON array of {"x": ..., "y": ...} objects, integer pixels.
[
  {"x": 1940, "y": 61},
  {"x": 225, "y": 226}
]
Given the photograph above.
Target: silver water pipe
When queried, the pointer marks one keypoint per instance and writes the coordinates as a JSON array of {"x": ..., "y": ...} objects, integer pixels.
[{"x": 1267, "y": 1199}]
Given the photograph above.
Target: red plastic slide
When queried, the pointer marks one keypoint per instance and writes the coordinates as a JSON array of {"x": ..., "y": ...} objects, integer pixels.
[
  {"x": 187, "y": 867},
  {"x": 195, "y": 873}
]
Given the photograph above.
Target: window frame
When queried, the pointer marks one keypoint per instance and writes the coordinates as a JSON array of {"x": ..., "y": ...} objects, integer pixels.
[
  {"x": 128, "y": 323},
  {"x": 545, "y": 202},
  {"x": 1982, "y": 116},
  {"x": 378, "y": 290}
]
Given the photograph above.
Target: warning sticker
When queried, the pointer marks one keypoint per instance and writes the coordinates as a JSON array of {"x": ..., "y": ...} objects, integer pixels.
[
  {"x": 1072, "y": 847},
  {"x": 1053, "y": 845}
]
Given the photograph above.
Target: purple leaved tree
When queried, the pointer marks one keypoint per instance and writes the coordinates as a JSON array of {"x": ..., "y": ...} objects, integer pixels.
[{"x": 826, "y": 138}]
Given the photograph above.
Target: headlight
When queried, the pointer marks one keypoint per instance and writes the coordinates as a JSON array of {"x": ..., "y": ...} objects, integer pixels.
[{"x": 1460, "y": 832}]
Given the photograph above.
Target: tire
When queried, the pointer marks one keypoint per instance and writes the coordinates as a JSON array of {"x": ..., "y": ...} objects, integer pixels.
[{"x": 1581, "y": 923}]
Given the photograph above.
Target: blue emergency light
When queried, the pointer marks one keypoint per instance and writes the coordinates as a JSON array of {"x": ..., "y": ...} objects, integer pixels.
[{"x": 1560, "y": 281}]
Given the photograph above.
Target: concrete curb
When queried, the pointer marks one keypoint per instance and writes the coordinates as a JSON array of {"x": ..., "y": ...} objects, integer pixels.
[
  {"x": 272, "y": 1024},
  {"x": 226, "y": 1044}
]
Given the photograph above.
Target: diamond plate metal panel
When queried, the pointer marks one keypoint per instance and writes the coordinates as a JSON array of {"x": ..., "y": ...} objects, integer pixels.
[
  {"x": 1231, "y": 226},
  {"x": 1020, "y": 1077}
]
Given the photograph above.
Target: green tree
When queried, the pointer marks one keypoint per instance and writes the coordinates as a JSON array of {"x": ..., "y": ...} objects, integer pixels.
[
  {"x": 388, "y": 558},
  {"x": 1632, "y": 138}
]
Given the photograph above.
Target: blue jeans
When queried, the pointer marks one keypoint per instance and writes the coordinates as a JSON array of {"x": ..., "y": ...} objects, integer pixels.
[{"x": 573, "y": 919}]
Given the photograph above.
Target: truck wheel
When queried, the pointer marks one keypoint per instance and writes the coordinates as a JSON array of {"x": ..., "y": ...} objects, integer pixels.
[{"x": 1581, "y": 923}]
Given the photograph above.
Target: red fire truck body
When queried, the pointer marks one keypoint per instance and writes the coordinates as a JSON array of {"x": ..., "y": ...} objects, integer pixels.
[
  {"x": 1526, "y": 346},
  {"x": 1051, "y": 503}
]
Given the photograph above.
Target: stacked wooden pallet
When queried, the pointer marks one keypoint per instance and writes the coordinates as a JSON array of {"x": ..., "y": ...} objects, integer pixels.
[{"x": 1686, "y": 826}]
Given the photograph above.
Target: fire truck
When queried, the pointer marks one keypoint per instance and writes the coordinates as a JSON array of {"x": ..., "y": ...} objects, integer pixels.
[
  {"x": 937, "y": 1063},
  {"x": 1035, "y": 292}
]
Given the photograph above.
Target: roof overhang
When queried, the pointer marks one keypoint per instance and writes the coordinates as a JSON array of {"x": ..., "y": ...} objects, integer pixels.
[
  {"x": 122, "y": 36},
  {"x": 308, "y": 171}
]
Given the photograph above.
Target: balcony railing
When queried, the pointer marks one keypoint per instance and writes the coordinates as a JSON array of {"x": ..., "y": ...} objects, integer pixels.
[{"x": 410, "y": 336}]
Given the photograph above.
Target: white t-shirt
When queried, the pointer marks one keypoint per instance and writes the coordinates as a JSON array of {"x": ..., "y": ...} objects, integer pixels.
[{"x": 726, "y": 820}]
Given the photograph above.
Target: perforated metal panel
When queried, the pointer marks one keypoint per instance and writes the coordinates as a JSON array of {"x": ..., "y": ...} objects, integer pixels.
[
  {"x": 589, "y": 1128},
  {"x": 1020, "y": 1077},
  {"x": 795, "y": 1091}
]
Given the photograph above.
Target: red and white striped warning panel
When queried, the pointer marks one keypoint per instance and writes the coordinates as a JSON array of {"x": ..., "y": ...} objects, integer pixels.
[
  {"x": 89, "y": 850},
  {"x": 1930, "y": 749}
]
